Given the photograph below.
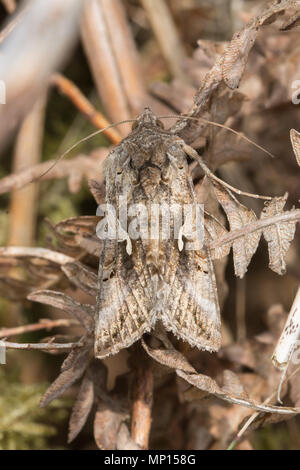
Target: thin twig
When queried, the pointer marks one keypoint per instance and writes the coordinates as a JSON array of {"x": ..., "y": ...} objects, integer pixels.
[
  {"x": 39, "y": 346},
  {"x": 98, "y": 48},
  {"x": 142, "y": 405},
  {"x": 85, "y": 106},
  {"x": 42, "y": 325}
]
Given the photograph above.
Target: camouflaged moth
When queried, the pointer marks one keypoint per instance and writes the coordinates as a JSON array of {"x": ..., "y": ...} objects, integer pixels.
[{"x": 148, "y": 280}]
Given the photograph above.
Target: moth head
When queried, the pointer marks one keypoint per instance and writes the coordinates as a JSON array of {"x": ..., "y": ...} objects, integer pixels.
[{"x": 147, "y": 119}]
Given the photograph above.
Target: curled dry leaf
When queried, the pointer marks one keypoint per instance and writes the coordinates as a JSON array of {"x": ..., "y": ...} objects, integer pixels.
[
  {"x": 81, "y": 408},
  {"x": 81, "y": 276},
  {"x": 236, "y": 56},
  {"x": 72, "y": 369},
  {"x": 78, "y": 234}
]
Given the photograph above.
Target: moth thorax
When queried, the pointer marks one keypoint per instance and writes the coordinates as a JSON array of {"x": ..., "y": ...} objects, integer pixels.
[{"x": 155, "y": 258}]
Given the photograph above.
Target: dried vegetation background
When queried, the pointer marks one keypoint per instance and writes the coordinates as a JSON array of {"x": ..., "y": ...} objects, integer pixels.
[{"x": 74, "y": 67}]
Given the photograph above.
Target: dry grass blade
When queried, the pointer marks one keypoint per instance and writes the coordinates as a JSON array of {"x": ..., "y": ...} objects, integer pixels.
[
  {"x": 167, "y": 35},
  {"x": 42, "y": 253},
  {"x": 81, "y": 102},
  {"x": 214, "y": 231}
]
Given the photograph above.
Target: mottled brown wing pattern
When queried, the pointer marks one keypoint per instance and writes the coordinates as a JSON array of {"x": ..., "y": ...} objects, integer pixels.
[
  {"x": 192, "y": 312},
  {"x": 145, "y": 280},
  {"x": 123, "y": 304}
]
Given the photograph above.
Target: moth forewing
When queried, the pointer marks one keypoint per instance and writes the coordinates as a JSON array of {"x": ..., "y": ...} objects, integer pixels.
[
  {"x": 164, "y": 275},
  {"x": 289, "y": 341}
]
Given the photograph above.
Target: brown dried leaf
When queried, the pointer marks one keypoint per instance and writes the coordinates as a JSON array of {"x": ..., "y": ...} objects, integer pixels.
[
  {"x": 236, "y": 56},
  {"x": 82, "y": 313},
  {"x": 81, "y": 408},
  {"x": 170, "y": 358},
  {"x": 79, "y": 232},
  {"x": 295, "y": 139},
  {"x": 83, "y": 225},
  {"x": 72, "y": 369},
  {"x": 278, "y": 235},
  {"x": 108, "y": 420},
  {"x": 82, "y": 277},
  {"x": 239, "y": 216},
  {"x": 215, "y": 230}
]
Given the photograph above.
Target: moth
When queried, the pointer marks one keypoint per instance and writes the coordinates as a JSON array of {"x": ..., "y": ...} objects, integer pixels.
[{"x": 156, "y": 279}]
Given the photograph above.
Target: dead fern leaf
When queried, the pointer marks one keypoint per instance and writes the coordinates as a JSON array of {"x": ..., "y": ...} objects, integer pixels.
[
  {"x": 278, "y": 235},
  {"x": 72, "y": 369},
  {"x": 82, "y": 277},
  {"x": 82, "y": 313},
  {"x": 81, "y": 408},
  {"x": 215, "y": 230},
  {"x": 239, "y": 216}
]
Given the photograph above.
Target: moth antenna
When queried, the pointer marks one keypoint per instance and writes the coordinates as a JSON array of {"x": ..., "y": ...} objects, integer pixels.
[
  {"x": 84, "y": 139},
  {"x": 192, "y": 153},
  {"x": 213, "y": 123}
]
